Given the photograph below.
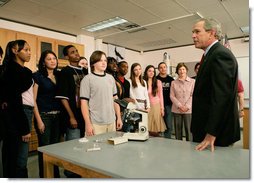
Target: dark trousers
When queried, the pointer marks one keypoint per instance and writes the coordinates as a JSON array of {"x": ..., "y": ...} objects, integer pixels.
[
  {"x": 181, "y": 120},
  {"x": 10, "y": 156},
  {"x": 75, "y": 134},
  {"x": 168, "y": 121},
  {"x": 2, "y": 131},
  {"x": 1, "y": 164},
  {"x": 15, "y": 151},
  {"x": 51, "y": 135}
]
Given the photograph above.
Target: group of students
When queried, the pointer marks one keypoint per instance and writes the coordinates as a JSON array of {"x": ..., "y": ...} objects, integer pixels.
[
  {"x": 86, "y": 101},
  {"x": 143, "y": 90},
  {"x": 48, "y": 92},
  {"x": 164, "y": 98}
]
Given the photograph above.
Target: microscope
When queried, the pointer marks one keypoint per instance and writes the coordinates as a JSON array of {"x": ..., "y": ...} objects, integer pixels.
[{"x": 135, "y": 122}]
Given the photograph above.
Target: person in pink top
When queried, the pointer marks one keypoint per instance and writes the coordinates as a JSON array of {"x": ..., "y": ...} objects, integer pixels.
[
  {"x": 156, "y": 123},
  {"x": 240, "y": 94},
  {"x": 181, "y": 96}
]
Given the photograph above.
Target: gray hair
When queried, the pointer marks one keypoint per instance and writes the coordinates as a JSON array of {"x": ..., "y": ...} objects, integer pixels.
[{"x": 211, "y": 23}]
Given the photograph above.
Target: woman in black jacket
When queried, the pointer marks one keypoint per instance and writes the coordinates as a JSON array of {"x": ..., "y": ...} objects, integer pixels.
[{"x": 18, "y": 94}]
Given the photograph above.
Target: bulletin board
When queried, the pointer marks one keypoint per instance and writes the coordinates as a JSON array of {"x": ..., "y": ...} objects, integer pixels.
[{"x": 243, "y": 71}]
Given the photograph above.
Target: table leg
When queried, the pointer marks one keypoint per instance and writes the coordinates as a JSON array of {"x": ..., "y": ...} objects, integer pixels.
[{"x": 48, "y": 167}]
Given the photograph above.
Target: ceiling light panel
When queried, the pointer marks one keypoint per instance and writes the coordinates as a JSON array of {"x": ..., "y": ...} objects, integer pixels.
[
  {"x": 105, "y": 24},
  {"x": 245, "y": 30}
]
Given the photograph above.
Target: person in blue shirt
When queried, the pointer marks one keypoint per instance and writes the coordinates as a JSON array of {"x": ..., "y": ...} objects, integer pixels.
[{"x": 47, "y": 107}]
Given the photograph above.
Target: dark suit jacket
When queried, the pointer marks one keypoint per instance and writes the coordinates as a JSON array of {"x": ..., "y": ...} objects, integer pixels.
[{"x": 214, "y": 108}]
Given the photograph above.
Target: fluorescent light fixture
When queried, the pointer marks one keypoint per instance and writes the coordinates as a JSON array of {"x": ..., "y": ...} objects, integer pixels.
[
  {"x": 199, "y": 14},
  {"x": 245, "y": 30},
  {"x": 105, "y": 24}
]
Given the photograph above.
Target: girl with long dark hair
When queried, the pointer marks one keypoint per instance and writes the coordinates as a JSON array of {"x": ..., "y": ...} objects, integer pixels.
[
  {"x": 156, "y": 124},
  {"x": 18, "y": 95},
  {"x": 47, "y": 107}
]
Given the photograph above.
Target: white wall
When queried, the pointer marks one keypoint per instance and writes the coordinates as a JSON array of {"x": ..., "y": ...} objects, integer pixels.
[
  {"x": 89, "y": 44},
  {"x": 239, "y": 48},
  {"x": 130, "y": 57}
]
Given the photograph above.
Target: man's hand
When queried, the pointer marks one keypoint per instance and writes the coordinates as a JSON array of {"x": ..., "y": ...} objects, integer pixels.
[
  {"x": 26, "y": 138},
  {"x": 73, "y": 123},
  {"x": 209, "y": 140},
  {"x": 119, "y": 124},
  {"x": 89, "y": 129}
]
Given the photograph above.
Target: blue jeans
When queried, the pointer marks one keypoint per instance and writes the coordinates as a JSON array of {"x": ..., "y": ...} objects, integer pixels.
[
  {"x": 51, "y": 135},
  {"x": 168, "y": 121},
  {"x": 76, "y": 133},
  {"x": 72, "y": 133},
  {"x": 24, "y": 147}
]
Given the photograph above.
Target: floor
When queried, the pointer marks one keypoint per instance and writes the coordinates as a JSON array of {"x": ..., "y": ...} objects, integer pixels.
[
  {"x": 33, "y": 171},
  {"x": 33, "y": 168}
]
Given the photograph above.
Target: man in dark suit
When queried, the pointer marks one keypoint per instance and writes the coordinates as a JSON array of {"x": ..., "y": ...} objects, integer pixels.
[{"x": 215, "y": 119}]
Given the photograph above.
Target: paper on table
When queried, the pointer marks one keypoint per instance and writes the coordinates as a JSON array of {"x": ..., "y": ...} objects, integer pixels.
[{"x": 117, "y": 140}]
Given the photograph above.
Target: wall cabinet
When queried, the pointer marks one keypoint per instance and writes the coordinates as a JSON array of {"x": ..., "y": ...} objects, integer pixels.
[
  {"x": 5, "y": 37},
  {"x": 44, "y": 43},
  {"x": 57, "y": 46},
  {"x": 38, "y": 44}
]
